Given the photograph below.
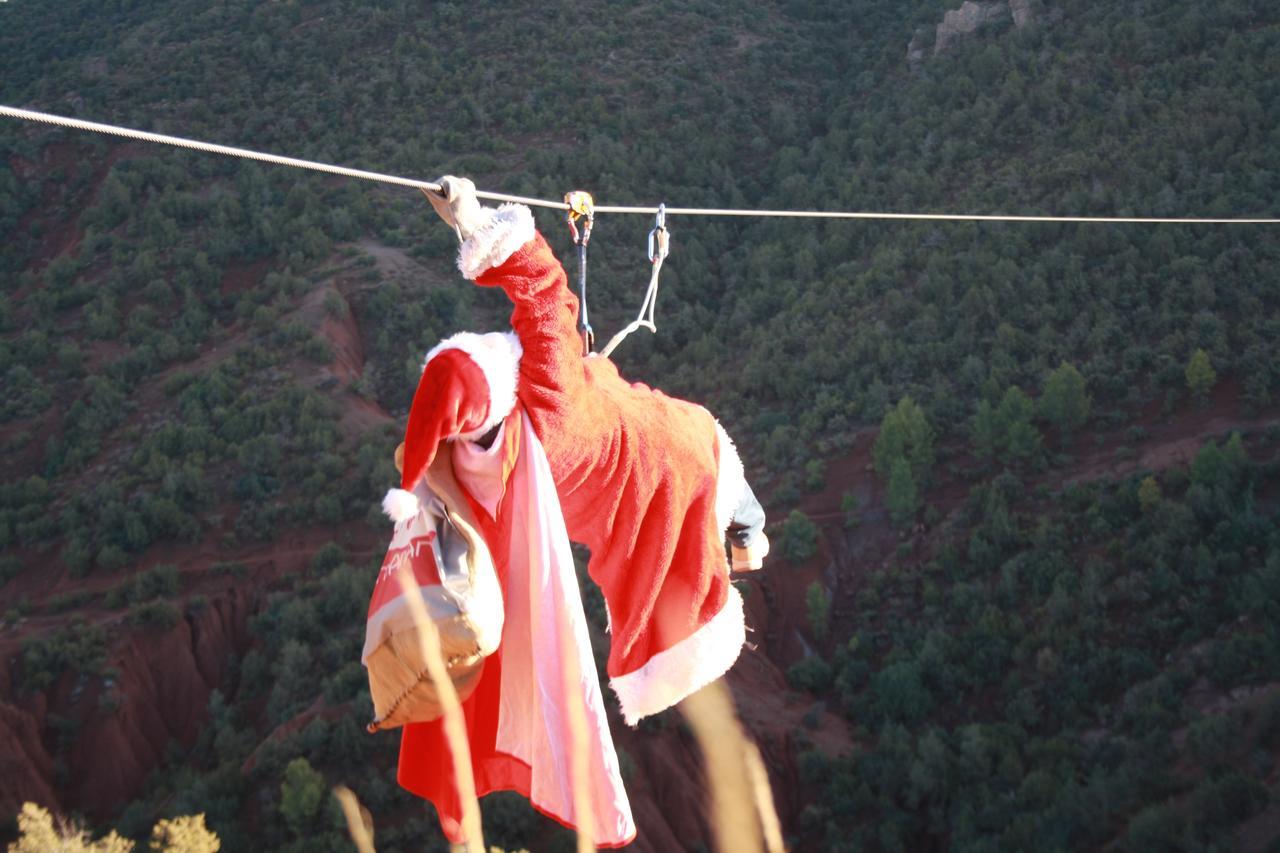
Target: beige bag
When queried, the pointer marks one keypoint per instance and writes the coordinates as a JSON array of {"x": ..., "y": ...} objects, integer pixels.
[{"x": 459, "y": 586}]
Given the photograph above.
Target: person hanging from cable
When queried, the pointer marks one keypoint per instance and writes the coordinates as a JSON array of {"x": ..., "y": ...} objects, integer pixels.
[{"x": 649, "y": 483}]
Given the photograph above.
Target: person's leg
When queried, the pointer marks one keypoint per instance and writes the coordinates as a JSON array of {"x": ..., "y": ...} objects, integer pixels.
[
  {"x": 748, "y": 519},
  {"x": 747, "y": 541}
]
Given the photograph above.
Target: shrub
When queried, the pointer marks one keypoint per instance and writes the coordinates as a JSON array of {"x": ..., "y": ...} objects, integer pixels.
[
  {"x": 1200, "y": 374},
  {"x": 184, "y": 835},
  {"x": 111, "y": 557},
  {"x": 904, "y": 434},
  {"x": 77, "y": 647},
  {"x": 1065, "y": 400},
  {"x": 1148, "y": 494},
  {"x": 330, "y": 556},
  {"x": 799, "y": 539},
  {"x": 302, "y": 793},
  {"x": 156, "y": 615},
  {"x": 900, "y": 692},
  {"x": 812, "y": 674},
  {"x": 10, "y": 567},
  {"x": 818, "y": 609},
  {"x": 38, "y": 835},
  {"x": 903, "y": 498},
  {"x": 158, "y": 582}
]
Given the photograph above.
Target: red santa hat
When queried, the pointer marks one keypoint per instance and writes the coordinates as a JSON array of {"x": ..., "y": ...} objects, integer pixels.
[
  {"x": 468, "y": 382},
  {"x": 468, "y": 386}
]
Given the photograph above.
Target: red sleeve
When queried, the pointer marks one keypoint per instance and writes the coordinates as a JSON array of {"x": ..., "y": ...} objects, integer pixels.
[{"x": 545, "y": 317}]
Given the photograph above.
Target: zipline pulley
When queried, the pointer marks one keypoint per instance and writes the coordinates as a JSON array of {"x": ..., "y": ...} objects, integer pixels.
[
  {"x": 659, "y": 238},
  {"x": 581, "y": 206}
]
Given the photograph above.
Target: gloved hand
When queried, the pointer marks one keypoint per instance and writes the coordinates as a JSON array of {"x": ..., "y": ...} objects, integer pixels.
[{"x": 457, "y": 205}]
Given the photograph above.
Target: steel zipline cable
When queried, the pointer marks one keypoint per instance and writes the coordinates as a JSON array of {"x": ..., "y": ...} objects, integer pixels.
[{"x": 180, "y": 142}]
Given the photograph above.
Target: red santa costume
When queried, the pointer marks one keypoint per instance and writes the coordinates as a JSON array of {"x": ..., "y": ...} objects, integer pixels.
[{"x": 647, "y": 482}]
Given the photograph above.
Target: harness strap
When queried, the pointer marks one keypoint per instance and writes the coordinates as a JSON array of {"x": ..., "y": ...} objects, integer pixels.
[
  {"x": 641, "y": 321},
  {"x": 659, "y": 247}
]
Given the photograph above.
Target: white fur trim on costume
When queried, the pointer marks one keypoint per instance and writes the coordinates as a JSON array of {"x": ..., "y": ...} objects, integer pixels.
[
  {"x": 400, "y": 506},
  {"x": 730, "y": 480},
  {"x": 508, "y": 228},
  {"x": 686, "y": 667},
  {"x": 497, "y": 354}
]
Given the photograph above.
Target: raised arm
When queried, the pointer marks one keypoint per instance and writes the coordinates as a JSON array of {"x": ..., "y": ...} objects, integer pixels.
[{"x": 501, "y": 248}]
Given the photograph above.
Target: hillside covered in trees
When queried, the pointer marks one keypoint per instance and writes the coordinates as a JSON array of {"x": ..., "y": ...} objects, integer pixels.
[{"x": 1022, "y": 477}]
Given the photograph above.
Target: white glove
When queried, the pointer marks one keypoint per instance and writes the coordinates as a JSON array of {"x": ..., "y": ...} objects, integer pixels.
[{"x": 457, "y": 205}]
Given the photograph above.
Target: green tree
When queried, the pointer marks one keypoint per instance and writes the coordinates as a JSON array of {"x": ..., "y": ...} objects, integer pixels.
[
  {"x": 1149, "y": 494},
  {"x": 903, "y": 499},
  {"x": 849, "y": 506},
  {"x": 1209, "y": 468},
  {"x": 812, "y": 673},
  {"x": 984, "y": 431},
  {"x": 900, "y": 692},
  {"x": 799, "y": 539},
  {"x": 301, "y": 794},
  {"x": 1065, "y": 400},
  {"x": 905, "y": 433},
  {"x": 1019, "y": 437},
  {"x": 814, "y": 475},
  {"x": 818, "y": 606},
  {"x": 1023, "y": 440},
  {"x": 1200, "y": 374},
  {"x": 1235, "y": 456}
]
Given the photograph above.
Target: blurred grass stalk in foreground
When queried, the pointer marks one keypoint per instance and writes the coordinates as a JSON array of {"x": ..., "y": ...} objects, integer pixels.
[
  {"x": 742, "y": 813},
  {"x": 359, "y": 821},
  {"x": 454, "y": 725}
]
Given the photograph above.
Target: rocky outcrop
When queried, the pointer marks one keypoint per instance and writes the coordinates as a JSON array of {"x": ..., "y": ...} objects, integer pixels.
[
  {"x": 918, "y": 48},
  {"x": 959, "y": 24},
  {"x": 962, "y": 22},
  {"x": 161, "y": 696},
  {"x": 26, "y": 769},
  {"x": 1021, "y": 10},
  {"x": 154, "y": 691}
]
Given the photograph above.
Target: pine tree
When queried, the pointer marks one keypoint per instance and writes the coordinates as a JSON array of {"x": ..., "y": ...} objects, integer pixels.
[
  {"x": 818, "y": 606},
  {"x": 1149, "y": 495},
  {"x": 902, "y": 499},
  {"x": 905, "y": 433},
  {"x": 1020, "y": 439},
  {"x": 1023, "y": 440},
  {"x": 1209, "y": 468},
  {"x": 301, "y": 794},
  {"x": 849, "y": 505},
  {"x": 1234, "y": 454},
  {"x": 799, "y": 539},
  {"x": 1065, "y": 401},
  {"x": 985, "y": 434},
  {"x": 1201, "y": 376}
]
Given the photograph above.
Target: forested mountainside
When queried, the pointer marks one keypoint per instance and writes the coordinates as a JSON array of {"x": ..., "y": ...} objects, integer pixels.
[{"x": 1022, "y": 477}]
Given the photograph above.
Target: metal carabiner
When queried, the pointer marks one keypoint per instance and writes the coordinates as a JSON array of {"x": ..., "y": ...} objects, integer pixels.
[
  {"x": 659, "y": 237},
  {"x": 581, "y": 206}
]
